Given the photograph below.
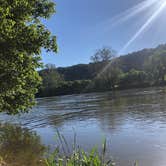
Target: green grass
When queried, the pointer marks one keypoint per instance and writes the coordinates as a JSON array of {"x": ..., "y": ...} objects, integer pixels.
[{"x": 78, "y": 157}]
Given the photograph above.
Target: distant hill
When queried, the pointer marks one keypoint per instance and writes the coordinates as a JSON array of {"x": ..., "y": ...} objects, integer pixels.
[
  {"x": 135, "y": 70},
  {"x": 135, "y": 60},
  {"x": 76, "y": 72}
]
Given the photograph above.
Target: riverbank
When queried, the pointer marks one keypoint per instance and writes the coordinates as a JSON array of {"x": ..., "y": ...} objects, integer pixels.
[{"x": 86, "y": 86}]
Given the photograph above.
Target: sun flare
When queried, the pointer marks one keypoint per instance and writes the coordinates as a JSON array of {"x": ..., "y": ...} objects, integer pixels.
[{"x": 161, "y": 6}]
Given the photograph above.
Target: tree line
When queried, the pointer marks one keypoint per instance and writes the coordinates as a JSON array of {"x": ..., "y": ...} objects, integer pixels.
[{"x": 106, "y": 72}]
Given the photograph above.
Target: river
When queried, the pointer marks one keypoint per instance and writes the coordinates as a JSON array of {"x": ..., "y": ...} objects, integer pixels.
[{"x": 132, "y": 121}]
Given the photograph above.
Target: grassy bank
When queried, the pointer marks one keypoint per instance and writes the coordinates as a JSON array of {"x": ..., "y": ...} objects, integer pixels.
[
  {"x": 30, "y": 152},
  {"x": 78, "y": 157}
]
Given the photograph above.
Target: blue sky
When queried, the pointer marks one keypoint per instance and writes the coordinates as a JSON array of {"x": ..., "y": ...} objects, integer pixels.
[{"x": 83, "y": 26}]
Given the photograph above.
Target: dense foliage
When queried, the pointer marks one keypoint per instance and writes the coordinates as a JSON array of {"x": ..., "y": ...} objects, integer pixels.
[
  {"x": 22, "y": 35},
  {"x": 139, "y": 69},
  {"x": 20, "y": 146}
]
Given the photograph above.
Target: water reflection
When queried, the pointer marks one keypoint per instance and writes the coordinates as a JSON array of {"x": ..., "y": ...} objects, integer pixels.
[
  {"x": 134, "y": 120},
  {"x": 120, "y": 108},
  {"x": 19, "y": 146}
]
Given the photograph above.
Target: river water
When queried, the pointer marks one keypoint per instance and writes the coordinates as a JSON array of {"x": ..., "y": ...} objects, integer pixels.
[{"x": 132, "y": 121}]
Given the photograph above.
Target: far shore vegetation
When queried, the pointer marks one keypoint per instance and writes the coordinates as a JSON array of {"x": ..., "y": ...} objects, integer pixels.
[{"x": 106, "y": 72}]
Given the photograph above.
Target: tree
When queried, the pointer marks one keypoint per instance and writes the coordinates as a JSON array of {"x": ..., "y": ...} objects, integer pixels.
[
  {"x": 103, "y": 55},
  {"x": 50, "y": 66},
  {"x": 22, "y": 35},
  {"x": 95, "y": 58},
  {"x": 51, "y": 78},
  {"x": 108, "y": 79},
  {"x": 134, "y": 78},
  {"x": 102, "y": 58},
  {"x": 156, "y": 67}
]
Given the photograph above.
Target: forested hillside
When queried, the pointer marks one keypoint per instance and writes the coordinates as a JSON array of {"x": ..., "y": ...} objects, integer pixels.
[
  {"x": 135, "y": 60},
  {"x": 106, "y": 72}
]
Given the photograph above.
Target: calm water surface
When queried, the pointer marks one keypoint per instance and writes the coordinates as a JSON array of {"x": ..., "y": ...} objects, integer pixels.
[{"x": 133, "y": 121}]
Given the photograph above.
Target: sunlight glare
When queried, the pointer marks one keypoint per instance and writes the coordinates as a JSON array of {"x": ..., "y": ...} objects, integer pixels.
[
  {"x": 130, "y": 13},
  {"x": 144, "y": 26},
  {"x": 162, "y": 5}
]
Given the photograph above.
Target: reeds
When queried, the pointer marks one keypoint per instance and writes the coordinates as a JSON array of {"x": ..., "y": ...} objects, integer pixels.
[{"x": 77, "y": 156}]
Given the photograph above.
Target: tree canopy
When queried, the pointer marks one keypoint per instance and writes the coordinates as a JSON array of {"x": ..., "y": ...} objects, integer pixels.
[
  {"x": 22, "y": 35},
  {"x": 103, "y": 55}
]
